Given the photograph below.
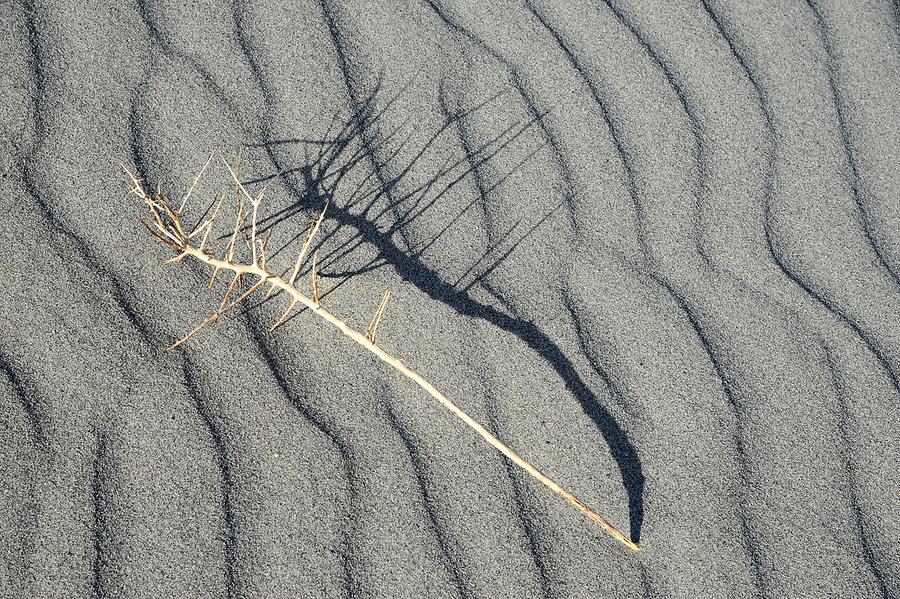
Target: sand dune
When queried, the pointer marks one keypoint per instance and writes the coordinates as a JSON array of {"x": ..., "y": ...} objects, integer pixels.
[{"x": 653, "y": 246}]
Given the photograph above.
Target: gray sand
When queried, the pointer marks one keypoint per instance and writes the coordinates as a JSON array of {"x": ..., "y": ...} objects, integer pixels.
[{"x": 656, "y": 248}]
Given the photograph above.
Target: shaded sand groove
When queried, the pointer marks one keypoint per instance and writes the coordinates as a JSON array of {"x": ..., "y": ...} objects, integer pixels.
[{"x": 655, "y": 246}]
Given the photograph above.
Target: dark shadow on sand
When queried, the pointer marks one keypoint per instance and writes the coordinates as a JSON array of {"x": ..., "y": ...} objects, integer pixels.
[{"x": 378, "y": 214}]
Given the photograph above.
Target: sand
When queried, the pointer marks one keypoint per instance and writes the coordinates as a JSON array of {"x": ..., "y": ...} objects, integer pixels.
[{"x": 654, "y": 246}]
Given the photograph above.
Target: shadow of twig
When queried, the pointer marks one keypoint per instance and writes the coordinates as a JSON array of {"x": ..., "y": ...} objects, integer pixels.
[{"x": 358, "y": 140}]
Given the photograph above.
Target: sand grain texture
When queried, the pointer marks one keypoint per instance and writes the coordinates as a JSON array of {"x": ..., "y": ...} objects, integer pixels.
[{"x": 654, "y": 246}]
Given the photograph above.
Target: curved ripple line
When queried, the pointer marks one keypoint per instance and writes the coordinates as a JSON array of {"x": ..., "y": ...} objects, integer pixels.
[
  {"x": 748, "y": 535},
  {"x": 772, "y": 156},
  {"x": 224, "y": 464},
  {"x": 27, "y": 400},
  {"x": 614, "y": 133},
  {"x": 470, "y": 152},
  {"x": 570, "y": 197},
  {"x": 825, "y": 36},
  {"x": 158, "y": 38},
  {"x": 615, "y": 392},
  {"x": 118, "y": 289},
  {"x": 352, "y": 586},
  {"x": 451, "y": 561},
  {"x": 529, "y": 530},
  {"x": 694, "y": 124},
  {"x": 99, "y": 526},
  {"x": 843, "y": 419}
]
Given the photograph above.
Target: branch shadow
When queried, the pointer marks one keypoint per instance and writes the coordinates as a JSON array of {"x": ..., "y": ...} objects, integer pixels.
[{"x": 345, "y": 147}]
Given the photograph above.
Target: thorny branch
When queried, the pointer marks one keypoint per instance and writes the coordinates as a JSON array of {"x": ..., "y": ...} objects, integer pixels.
[{"x": 166, "y": 226}]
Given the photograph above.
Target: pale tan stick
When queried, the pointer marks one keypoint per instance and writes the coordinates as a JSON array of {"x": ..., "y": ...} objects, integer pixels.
[
  {"x": 284, "y": 316},
  {"x": 315, "y": 280},
  {"x": 301, "y": 257},
  {"x": 376, "y": 318},
  {"x": 208, "y": 224},
  {"x": 211, "y": 318},
  {"x": 194, "y": 184},
  {"x": 222, "y": 310},
  {"x": 264, "y": 277},
  {"x": 263, "y": 244}
]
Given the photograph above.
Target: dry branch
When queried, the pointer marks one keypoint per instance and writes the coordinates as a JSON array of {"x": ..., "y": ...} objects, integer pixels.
[
  {"x": 314, "y": 279},
  {"x": 166, "y": 226},
  {"x": 376, "y": 318}
]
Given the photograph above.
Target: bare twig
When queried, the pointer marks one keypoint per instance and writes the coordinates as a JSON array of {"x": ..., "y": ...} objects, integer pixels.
[
  {"x": 194, "y": 184},
  {"x": 376, "y": 317},
  {"x": 281, "y": 320},
  {"x": 165, "y": 225},
  {"x": 310, "y": 235},
  {"x": 314, "y": 278}
]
